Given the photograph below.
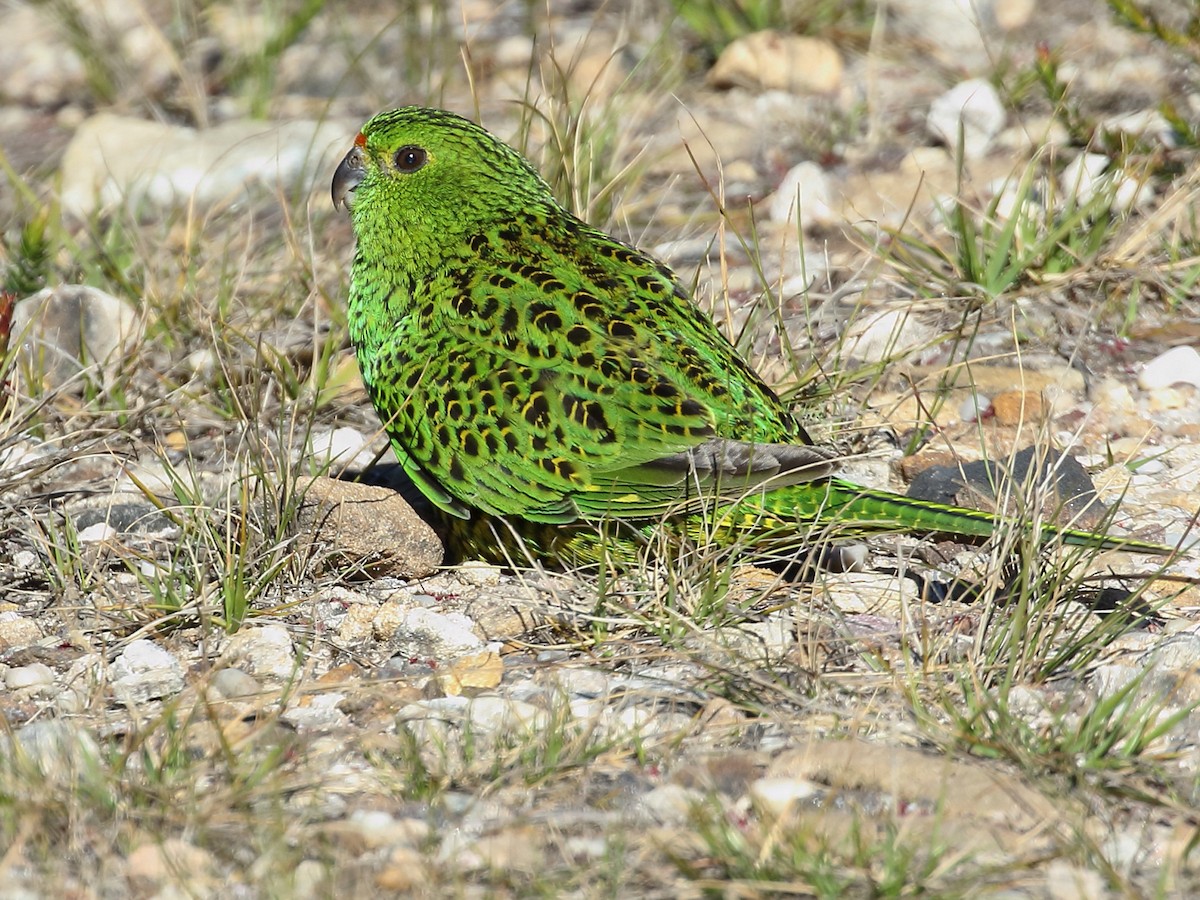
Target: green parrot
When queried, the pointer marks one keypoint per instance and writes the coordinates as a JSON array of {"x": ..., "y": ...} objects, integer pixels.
[{"x": 542, "y": 380}]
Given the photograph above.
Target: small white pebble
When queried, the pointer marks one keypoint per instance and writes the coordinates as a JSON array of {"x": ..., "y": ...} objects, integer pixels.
[
  {"x": 24, "y": 560},
  {"x": 775, "y": 796},
  {"x": 974, "y": 407},
  {"x": 976, "y": 107},
  {"x": 1151, "y": 467},
  {"x": 805, "y": 196},
  {"x": 1179, "y": 365},
  {"x": 98, "y": 533},
  {"x": 341, "y": 442}
]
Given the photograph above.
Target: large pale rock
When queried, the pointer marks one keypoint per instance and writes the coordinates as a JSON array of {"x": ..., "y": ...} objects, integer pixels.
[{"x": 115, "y": 160}]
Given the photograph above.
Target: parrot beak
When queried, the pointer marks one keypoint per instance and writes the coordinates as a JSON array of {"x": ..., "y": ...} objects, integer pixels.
[{"x": 346, "y": 179}]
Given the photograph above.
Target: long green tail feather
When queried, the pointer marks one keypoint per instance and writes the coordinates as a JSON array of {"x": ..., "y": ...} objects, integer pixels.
[
  {"x": 848, "y": 509},
  {"x": 779, "y": 521}
]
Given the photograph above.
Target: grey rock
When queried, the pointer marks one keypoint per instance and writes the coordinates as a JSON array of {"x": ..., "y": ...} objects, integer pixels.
[
  {"x": 1070, "y": 495},
  {"x": 58, "y": 750},
  {"x": 145, "y": 671},
  {"x": 427, "y": 634},
  {"x": 124, "y": 517},
  {"x": 70, "y": 331},
  {"x": 232, "y": 683}
]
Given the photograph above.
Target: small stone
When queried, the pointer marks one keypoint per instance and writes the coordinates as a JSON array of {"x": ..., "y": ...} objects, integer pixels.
[
  {"x": 777, "y": 796},
  {"x": 1082, "y": 176},
  {"x": 97, "y": 533},
  {"x": 512, "y": 849},
  {"x": 1166, "y": 399},
  {"x": 265, "y": 652},
  {"x": 887, "y": 335},
  {"x": 1068, "y": 882},
  {"x": 233, "y": 683},
  {"x": 124, "y": 517},
  {"x": 974, "y": 407},
  {"x": 140, "y": 164},
  {"x": 426, "y": 634},
  {"x": 1179, "y": 365},
  {"x": 805, "y": 196},
  {"x": 771, "y": 60},
  {"x": 669, "y": 804},
  {"x": 1011, "y": 14},
  {"x": 587, "y": 682},
  {"x": 24, "y": 560},
  {"x": 38, "y": 67},
  {"x": 444, "y": 708},
  {"x": 318, "y": 717},
  {"x": 1114, "y": 396},
  {"x": 1111, "y": 679},
  {"x": 361, "y": 623},
  {"x": 1147, "y": 123},
  {"x": 1065, "y": 488},
  {"x": 310, "y": 880},
  {"x": 955, "y": 34},
  {"x": 405, "y": 871},
  {"x": 380, "y": 828},
  {"x": 976, "y": 108},
  {"x": 1151, "y": 467},
  {"x": 585, "y": 849},
  {"x": 472, "y": 673},
  {"x": 387, "y": 620},
  {"x": 1089, "y": 174},
  {"x": 71, "y": 699},
  {"x": 1178, "y": 653},
  {"x": 478, "y": 573},
  {"x": 340, "y": 445},
  {"x": 75, "y": 330},
  {"x": 59, "y": 749},
  {"x": 352, "y": 524},
  {"x": 34, "y": 675},
  {"x": 18, "y": 631},
  {"x": 1019, "y": 407},
  {"x": 145, "y": 671},
  {"x": 874, "y": 593},
  {"x": 499, "y": 714}
]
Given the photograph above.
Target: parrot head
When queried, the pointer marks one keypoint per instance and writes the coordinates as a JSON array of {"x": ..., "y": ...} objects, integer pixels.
[{"x": 415, "y": 163}]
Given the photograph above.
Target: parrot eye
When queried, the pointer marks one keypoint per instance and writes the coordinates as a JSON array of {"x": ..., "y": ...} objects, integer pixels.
[{"x": 409, "y": 159}]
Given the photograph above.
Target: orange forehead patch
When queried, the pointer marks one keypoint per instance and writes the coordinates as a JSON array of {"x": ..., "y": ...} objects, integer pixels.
[{"x": 360, "y": 140}]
